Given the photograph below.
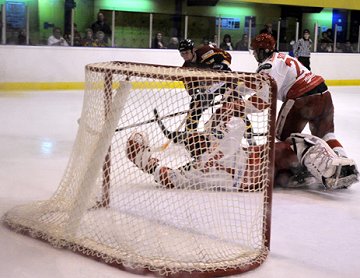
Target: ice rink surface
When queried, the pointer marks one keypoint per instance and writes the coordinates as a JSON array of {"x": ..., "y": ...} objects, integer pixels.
[{"x": 315, "y": 233}]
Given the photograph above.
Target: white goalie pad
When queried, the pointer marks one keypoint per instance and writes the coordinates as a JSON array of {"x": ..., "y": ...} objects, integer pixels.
[
  {"x": 246, "y": 92},
  {"x": 138, "y": 150},
  {"x": 322, "y": 162}
]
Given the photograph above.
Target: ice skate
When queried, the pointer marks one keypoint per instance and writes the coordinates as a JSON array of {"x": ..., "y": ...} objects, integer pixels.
[{"x": 346, "y": 174}]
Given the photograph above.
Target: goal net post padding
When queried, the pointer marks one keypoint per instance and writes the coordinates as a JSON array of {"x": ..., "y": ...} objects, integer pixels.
[{"x": 213, "y": 221}]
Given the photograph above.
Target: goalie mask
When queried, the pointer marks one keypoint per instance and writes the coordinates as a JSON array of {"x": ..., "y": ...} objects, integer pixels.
[{"x": 263, "y": 46}]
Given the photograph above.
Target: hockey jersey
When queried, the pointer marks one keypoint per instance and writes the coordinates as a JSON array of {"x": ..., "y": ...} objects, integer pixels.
[
  {"x": 209, "y": 57},
  {"x": 292, "y": 78}
]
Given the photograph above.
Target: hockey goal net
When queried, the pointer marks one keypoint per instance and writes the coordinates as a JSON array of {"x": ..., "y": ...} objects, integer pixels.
[{"x": 214, "y": 219}]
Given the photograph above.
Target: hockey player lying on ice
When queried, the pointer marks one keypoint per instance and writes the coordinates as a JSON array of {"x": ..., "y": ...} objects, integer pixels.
[
  {"x": 222, "y": 161},
  {"x": 306, "y": 99}
]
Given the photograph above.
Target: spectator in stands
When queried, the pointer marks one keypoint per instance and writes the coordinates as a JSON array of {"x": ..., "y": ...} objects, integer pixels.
[
  {"x": 56, "y": 39},
  {"x": 268, "y": 29},
  {"x": 173, "y": 43},
  {"x": 348, "y": 48},
  {"x": 226, "y": 43},
  {"x": 12, "y": 36},
  {"x": 243, "y": 44},
  {"x": 214, "y": 42},
  {"x": 22, "y": 37},
  {"x": 325, "y": 43},
  {"x": 89, "y": 38},
  {"x": 205, "y": 41},
  {"x": 100, "y": 39},
  {"x": 325, "y": 38},
  {"x": 77, "y": 37},
  {"x": 325, "y": 47},
  {"x": 329, "y": 34},
  {"x": 17, "y": 37},
  {"x": 101, "y": 25},
  {"x": 158, "y": 41},
  {"x": 339, "y": 47},
  {"x": 302, "y": 49}
]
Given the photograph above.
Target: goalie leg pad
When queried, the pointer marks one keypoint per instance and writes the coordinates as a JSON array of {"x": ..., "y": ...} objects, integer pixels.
[
  {"x": 314, "y": 154},
  {"x": 322, "y": 162},
  {"x": 138, "y": 151}
]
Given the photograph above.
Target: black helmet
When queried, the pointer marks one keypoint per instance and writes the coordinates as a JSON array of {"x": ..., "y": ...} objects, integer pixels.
[{"x": 186, "y": 45}]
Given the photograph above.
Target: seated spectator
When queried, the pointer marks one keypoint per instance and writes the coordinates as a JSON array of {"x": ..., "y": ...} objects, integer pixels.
[
  {"x": 325, "y": 38},
  {"x": 214, "y": 42},
  {"x": 339, "y": 48},
  {"x": 158, "y": 41},
  {"x": 269, "y": 30},
  {"x": 329, "y": 34},
  {"x": 22, "y": 37},
  {"x": 12, "y": 37},
  {"x": 205, "y": 41},
  {"x": 243, "y": 44},
  {"x": 100, "y": 39},
  {"x": 325, "y": 47},
  {"x": 56, "y": 39},
  {"x": 348, "y": 48},
  {"x": 226, "y": 43},
  {"x": 173, "y": 43},
  {"x": 326, "y": 44},
  {"x": 101, "y": 25},
  {"x": 89, "y": 38},
  {"x": 77, "y": 37}
]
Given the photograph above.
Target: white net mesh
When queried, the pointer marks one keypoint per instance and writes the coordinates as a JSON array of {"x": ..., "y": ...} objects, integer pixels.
[{"x": 189, "y": 191}]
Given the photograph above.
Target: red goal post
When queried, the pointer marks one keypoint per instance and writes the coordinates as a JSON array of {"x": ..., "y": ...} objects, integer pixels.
[{"x": 109, "y": 209}]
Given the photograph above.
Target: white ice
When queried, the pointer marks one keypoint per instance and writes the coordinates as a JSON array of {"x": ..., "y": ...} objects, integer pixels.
[{"x": 315, "y": 233}]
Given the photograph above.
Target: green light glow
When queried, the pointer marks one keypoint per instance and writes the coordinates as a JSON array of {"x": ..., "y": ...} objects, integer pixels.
[
  {"x": 126, "y": 5},
  {"x": 239, "y": 11},
  {"x": 324, "y": 18},
  {"x": 325, "y": 15}
]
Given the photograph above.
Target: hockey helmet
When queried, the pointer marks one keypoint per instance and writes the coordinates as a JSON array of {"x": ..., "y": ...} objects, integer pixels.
[
  {"x": 265, "y": 42},
  {"x": 186, "y": 44},
  {"x": 263, "y": 46}
]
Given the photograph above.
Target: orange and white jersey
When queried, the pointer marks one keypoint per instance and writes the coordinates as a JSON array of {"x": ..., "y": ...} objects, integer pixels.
[{"x": 292, "y": 78}]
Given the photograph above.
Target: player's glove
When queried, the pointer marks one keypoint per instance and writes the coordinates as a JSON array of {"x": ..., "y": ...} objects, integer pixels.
[{"x": 220, "y": 66}]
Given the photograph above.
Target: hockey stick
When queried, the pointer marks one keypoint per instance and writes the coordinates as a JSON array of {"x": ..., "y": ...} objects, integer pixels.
[
  {"x": 162, "y": 118},
  {"x": 166, "y": 132},
  {"x": 164, "y": 146},
  {"x": 213, "y": 104},
  {"x": 211, "y": 90}
]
